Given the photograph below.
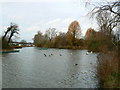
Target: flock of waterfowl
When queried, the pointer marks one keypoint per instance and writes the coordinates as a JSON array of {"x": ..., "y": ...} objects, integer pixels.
[
  {"x": 61, "y": 55},
  {"x": 51, "y": 55}
]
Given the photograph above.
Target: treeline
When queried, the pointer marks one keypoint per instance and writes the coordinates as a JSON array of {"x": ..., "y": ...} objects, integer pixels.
[
  {"x": 93, "y": 40},
  {"x": 99, "y": 41},
  {"x": 53, "y": 39}
]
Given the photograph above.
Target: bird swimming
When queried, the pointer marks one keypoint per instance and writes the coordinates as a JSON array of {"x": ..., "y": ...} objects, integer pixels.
[
  {"x": 45, "y": 55},
  {"x": 87, "y": 53}
]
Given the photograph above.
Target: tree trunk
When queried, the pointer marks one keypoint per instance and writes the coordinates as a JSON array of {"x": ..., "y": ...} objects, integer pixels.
[
  {"x": 10, "y": 37},
  {"x": 4, "y": 35},
  {"x": 119, "y": 63}
]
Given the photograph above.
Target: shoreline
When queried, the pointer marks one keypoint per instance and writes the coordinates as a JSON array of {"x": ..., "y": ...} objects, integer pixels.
[{"x": 8, "y": 51}]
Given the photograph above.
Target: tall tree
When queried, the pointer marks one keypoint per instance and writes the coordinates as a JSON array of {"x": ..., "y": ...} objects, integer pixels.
[
  {"x": 51, "y": 33},
  {"x": 13, "y": 30},
  {"x": 60, "y": 40},
  {"x": 73, "y": 32},
  {"x": 90, "y": 34},
  {"x": 38, "y": 38},
  {"x": 108, "y": 17},
  {"x": 6, "y": 32}
]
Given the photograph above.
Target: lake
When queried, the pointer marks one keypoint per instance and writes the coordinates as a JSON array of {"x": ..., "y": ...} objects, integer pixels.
[{"x": 51, "y": 68}]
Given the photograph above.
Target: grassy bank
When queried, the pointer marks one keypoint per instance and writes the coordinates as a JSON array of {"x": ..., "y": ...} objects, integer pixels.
[
  {"x": 108, "y": 62},
  {"x": 107, "y": 70}
]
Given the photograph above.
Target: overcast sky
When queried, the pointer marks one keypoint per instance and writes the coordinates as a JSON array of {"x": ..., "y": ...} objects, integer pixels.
[{"x": 34, "y": 16}]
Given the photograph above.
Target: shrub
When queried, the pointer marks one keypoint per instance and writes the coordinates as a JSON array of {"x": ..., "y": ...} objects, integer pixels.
[
  {"x": 5, "y": 44},
  {"x": 107, "y": 69},
  {"x": 94, "y": 46}
]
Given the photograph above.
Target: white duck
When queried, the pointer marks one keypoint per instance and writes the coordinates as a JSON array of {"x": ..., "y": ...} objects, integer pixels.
[{"x": 87, "y": 53}]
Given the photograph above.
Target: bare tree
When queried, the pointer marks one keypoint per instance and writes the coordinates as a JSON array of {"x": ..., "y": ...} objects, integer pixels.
[
  {"x": 107, "y": 16},
  {"x": 105, "y": 23},
  {"x": 6, "y": 32},
  {"x": 13, "y": 30},
  {"x": 51, "y": 33}
]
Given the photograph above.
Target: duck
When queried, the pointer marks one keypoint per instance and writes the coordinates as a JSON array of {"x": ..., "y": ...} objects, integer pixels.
[
  {"x": 90, "y": 63},
  {"x": 60, "y": 55},
  {"x": 45, "y": 55},
  {"x": 87, "y": 53},
  {"x": 76, "y": 64}
]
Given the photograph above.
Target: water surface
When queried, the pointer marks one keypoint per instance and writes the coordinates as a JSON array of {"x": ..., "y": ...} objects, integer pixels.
[{"x": 52, "y": 68}]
